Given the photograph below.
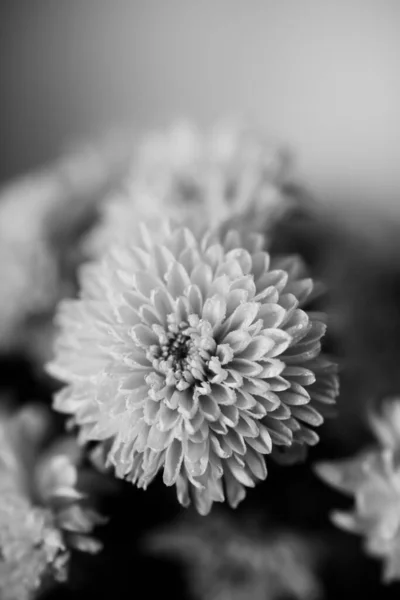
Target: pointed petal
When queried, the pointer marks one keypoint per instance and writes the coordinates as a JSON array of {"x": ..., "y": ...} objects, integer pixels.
[
  {"x": 256, "y": 464},
  {"x": 214, "y": 310},
  {"x": 177, "y": 279},
  {"x": 173, "y": 462}
]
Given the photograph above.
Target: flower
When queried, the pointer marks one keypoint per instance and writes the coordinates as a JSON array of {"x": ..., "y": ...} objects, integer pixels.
[
  {"x": 32, "y": 549},
  {"x": 373, "y": 479},
  {"x": 225, "y": 561},
  {"x": 227, "y": 173},
  {"x": 26, "y": 268},
  {"x": 42, "y": 513},
  {"x": 42, "y": 217},
  {"x": 193, "y": 355}
]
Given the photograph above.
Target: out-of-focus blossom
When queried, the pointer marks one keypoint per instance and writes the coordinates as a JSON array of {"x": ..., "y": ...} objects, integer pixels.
[
  {"x": 42, "y": 513},
  {"x": 32, "y": 549},
  {"x": 27, "y": 271},
  {"x": 42, "y": 216},
  {"x": 385, "y": 423},
  {"x": 193, "y": 356},
  {"x": 373, "y": 479},
  {"x": 229, "y": 173},
  {"x": 225, "y": 561}
]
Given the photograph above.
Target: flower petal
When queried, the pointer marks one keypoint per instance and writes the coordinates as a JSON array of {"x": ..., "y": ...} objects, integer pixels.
[
  {"x": 177, "y": 279},
  {"x": 214, "y": 310},
  {"x": 173, "y": 462}
]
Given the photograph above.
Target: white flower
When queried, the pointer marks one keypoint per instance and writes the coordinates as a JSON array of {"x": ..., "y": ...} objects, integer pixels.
[
  {"x": 42, "y": 513},
  {"x": 42, "y": 216},
  {"x": 373, "y": 479},
  {"x": 193, "y": 356},
  {"x": 27, "y": 270},
  {"x": 228, "y": 172}
]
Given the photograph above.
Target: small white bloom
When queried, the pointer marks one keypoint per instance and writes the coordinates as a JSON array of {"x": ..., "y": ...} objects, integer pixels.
[{"x": 373, "y": 479}]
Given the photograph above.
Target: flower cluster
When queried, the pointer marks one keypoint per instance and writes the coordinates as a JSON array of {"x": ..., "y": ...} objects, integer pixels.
[
  {"x": 42, "y": 513},
  {"x": 192, "y": 354},
  {"x": 373, "y": 479},
  {"x": 229, "y": 172}
]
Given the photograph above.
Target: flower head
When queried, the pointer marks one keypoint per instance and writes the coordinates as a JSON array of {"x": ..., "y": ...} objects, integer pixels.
[
  {"x": 193, "y": 355},
  {"x": 42, "y": 513},
  {"x": 373, "y": 479},
  {"x": 229, "y": 172}
]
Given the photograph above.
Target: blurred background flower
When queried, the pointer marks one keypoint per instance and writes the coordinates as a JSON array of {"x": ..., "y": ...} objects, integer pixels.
[
  {"x": 43, "y": 215},
  {"x": 373, "y": 478},
  {"x": 228, "y": 173},
  {"x": 43, "y": 515},
  {"x": 229, "y": 560}
]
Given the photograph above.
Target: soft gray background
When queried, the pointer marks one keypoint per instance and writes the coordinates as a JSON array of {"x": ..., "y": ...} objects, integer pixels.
[{"x": 323, "y": 75}]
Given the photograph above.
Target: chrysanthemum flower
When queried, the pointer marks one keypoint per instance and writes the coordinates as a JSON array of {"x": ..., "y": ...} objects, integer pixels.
[
  {"x": 42, "y": 513},
  {"x": 205, "y": 176},
  {"x": 194, "y": 356},
  {"x": 373, "y": 479}
]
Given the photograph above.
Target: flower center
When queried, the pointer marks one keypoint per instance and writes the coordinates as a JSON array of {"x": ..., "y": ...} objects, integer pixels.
[
  {"x": 177, "y": 349},
  {"x": 183, "y": 351}
]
